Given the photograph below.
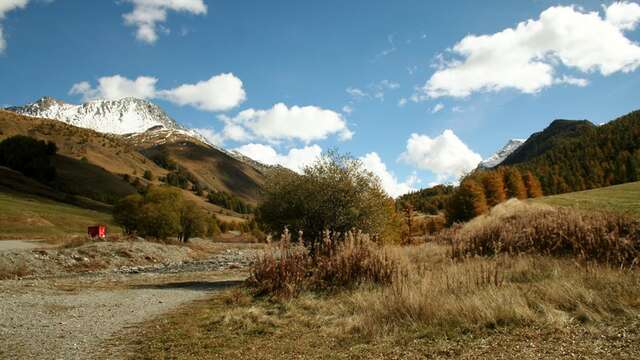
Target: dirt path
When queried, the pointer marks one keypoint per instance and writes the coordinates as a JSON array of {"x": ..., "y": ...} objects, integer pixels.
[
  {"x": 9, "y": 245},
  {"x": 73, "y": 318}
]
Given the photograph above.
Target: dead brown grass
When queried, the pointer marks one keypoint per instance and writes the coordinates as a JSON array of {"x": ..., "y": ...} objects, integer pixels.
[
  {"x": 339, "y": 262},
  {"x": 476, "y": 308},
  {"x": 517, "y": 227},
  {"x": 436, "y": 306}
]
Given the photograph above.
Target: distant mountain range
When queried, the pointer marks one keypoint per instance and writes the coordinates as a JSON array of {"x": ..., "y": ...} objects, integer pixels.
[
  {"x": 143, "y": 122},
  {"x": 124, "y": 116},
  {"x": 105, "y": 147}
]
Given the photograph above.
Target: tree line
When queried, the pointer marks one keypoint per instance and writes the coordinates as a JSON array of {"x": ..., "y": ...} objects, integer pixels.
[
  {"x": 602, "y": 156},
  {"x": 31, "y": 157},
  {"x": 483, "y": 189}
]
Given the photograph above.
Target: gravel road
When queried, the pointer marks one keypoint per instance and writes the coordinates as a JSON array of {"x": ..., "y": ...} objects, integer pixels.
[
  {"x": 8, "y": 245},
  {"x": 73, "y": 317}
]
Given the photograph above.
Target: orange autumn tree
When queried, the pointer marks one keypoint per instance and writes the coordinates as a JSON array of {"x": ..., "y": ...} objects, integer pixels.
[
  {"x": 467, "y": 202},
  {"x": 534, "y": 188},
  {"x": 514, "y": 184},
  {"x": 493, "y": 184}
]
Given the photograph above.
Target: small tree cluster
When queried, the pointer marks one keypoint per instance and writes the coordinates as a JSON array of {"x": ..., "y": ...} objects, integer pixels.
[
  {"x": 30, "y": 156},
  {"x": 482, "y": 190},
  {"x": 335, "y": 193},
  {"x": 160, "y": 213},
  {"x": 229, "y": 201}
]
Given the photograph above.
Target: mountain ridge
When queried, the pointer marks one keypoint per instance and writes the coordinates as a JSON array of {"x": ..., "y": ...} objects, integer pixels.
[{"x": 498, "y": 157}]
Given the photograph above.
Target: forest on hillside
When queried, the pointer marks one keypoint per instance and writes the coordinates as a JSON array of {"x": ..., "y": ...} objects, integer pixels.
[{"x": 568, "y": 156}]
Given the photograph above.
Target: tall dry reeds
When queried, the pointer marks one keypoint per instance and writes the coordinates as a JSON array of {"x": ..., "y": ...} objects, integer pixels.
[
  {"x": 341, "y": 260},
  {"x": 517, "y": 228}
]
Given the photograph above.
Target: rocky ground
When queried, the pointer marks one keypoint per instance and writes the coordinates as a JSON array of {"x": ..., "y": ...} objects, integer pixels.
[{"x": 60, "y": 312}]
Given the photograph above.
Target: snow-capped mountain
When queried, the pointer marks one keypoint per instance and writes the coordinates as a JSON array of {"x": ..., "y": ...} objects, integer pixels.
[
  {"x": 497, "y": 158},
  {"x": 141, "y": 122},
  {"x": 124, "y": 116}
]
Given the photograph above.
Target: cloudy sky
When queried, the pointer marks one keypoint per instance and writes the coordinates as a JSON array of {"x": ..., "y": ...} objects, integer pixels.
[{"x": 421, "y": 91}]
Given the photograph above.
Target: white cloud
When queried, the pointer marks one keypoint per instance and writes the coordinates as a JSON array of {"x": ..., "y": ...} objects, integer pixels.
[
  {"x": 116, "y": 87},
  {"x": 306, "y": 123},
  {"x": 373, "y": 91},
  {"x": 5, "y": 7},
  {"x": 623, "y": 15},
  {"x": 388, "y": 84},
  {"x": 219, "y": 93},
  {"x": 147, "y": 14},
  {"x": 526, "y": 58},
  {"x": 296, "y": 159},
  {"x": 445, "y": 155},
  {"x": 388, "y": 180},
  {"x": 402, "y": 102},
  {"x": 347, "y": 109},
  {"x": 356, "y": 93},
  {"x": 437, "y": 108},
  {"x": 392, "y": 47},
  {"x": 211, "y": 135},
  {"x": 570, "y": 80}
]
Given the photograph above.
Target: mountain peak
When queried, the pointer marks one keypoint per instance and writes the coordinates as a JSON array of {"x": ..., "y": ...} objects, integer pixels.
[
  {"x": 122, "y": 116},
  {"x": 497, "y": 158}
]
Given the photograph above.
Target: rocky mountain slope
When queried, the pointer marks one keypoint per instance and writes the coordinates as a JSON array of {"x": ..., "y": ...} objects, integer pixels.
[
  {"x": 497, "y": 158},
  {"x": 124, "y": 116}
]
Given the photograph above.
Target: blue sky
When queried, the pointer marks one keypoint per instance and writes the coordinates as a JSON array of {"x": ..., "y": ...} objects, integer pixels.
[{"x": 379, "y": 79}]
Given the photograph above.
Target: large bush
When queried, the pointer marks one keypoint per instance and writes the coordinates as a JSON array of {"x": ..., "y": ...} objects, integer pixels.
[
  {"x": 161, "y": 213},
  {"x": 335, "y": 193},
  {"x": 30, "y": 156}
]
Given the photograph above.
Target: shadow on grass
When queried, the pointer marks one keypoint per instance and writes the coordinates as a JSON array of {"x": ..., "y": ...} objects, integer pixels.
[{"x": 193, "y": 285}]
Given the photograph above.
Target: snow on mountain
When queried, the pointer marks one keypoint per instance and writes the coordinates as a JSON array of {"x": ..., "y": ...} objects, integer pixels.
[
  {"x": 142, "y": 122},
  {"x": 497, "y": 158},
  {"x": 124, "y": 116}
]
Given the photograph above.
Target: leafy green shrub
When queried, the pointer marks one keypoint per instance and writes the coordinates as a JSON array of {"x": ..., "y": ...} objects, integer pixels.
[
  {"x": 160, "y": 213},
  {"x": 229, "y": 201},
  {"x": 148, "y": 175},
  {"x": 334, "y": 193}
]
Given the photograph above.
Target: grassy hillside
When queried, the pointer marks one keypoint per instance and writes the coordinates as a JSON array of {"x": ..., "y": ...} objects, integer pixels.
[
  {"x": 213, "y": 168},
  {"x": 110, "y": 152},
  {"x": 23, "y": 216},
  {"x": 623, "y": 198}
]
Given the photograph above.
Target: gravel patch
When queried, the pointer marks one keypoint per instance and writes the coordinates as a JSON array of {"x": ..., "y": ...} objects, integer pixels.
[{"x": 72, "y": 316}]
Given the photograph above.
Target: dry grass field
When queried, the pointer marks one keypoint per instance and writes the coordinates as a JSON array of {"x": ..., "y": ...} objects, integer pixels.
[{"x": 522, "y": 304}]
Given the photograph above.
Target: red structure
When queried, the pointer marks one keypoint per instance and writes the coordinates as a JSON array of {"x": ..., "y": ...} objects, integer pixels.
[{"x": 98, "y": 231}]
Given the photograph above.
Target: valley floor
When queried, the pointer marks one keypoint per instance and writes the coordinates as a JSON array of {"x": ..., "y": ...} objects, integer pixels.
[
  {"x": 520, "y": 307},
  {"x": 74, "y": 315}
]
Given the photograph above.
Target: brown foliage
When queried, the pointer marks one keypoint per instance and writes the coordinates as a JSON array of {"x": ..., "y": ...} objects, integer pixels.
[
  {"x": 467, "y": 202},
  {"x": 493, "y": 183},
  {"x": 591, "y": 236},
  {"x": 514, "y": 184},
  {"x": 534, "y": 189},
  {"x": 342, "y": 261}
]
